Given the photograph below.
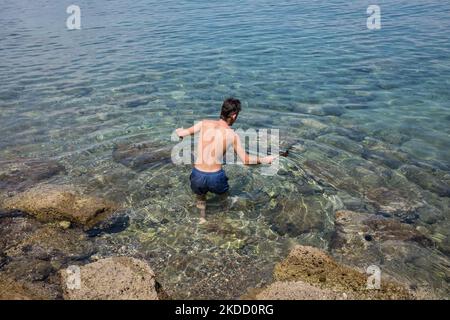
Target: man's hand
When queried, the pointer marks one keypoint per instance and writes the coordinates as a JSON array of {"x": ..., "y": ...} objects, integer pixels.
[
  {"x": 267, "y": 160},
  {"x": 180, "y": 132}
]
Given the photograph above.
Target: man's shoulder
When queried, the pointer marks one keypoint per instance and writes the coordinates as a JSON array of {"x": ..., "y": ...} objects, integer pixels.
[{"x": 209, "y": 121}]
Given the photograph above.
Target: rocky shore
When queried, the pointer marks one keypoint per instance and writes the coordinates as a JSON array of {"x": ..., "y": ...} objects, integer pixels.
[
  {"x": 36, "y": 259},
  {"x": 47, "y": 230},
  {"x": 308, "y": 273}
]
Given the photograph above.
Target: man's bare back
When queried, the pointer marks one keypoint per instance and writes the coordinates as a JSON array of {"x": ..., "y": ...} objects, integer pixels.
[{"x": 215, "y": 136}]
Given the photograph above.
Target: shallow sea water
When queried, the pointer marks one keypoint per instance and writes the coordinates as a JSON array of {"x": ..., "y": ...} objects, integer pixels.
[{"x": 360, "y": 110}]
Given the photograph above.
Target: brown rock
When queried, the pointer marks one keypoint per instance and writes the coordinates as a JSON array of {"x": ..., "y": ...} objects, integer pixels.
[
  {"x": 52, "y": 242},
  {"x": 54, "y": 202},
  {"x": 297, "y": 217},
  {"x": 298, "y": 290},
  {"x": 390, "y": 229},
  {"x": 116, "y": 278},
  {"x": 355, "y": 229},
  {"x": 141, "y": 156},
  {"x": 11, "y": 289},
  {"x": 395, "y": 202},
  {"x": 28, "y": 173},
  {"x": 316, "y": 268}
]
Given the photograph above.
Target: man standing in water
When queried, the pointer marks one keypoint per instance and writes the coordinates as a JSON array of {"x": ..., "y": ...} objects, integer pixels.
[{"x": 215, "y": 136}]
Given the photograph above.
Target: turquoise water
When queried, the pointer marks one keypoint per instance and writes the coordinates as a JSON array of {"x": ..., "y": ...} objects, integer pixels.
[{"x": 361, "y": 110}]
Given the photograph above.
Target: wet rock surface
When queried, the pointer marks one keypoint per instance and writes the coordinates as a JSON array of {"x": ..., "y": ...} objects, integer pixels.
[
  {"x": 355, "y": 229},
  {"x": 116, "y": 278},
  {"x": 114, "y": 223},
  {"x": 299, "y": 290},
  {"x": 23, "y": 175},
  {"x": 142, "y": 156},
  {"x": 61, "y": 202},
  {"x": 397, "y": 248},
  {"x": 34, "y": 255},
  {"x": 12, "y": 289},
  {"x": 52, "y": 243},
  {"x": 437, "y": 181},
  {"x": 33, "y": 252},
  {"x": 316, "y": 268},
  {"x": 296, "y": 217},
  {"x": 391, "y": 202}
]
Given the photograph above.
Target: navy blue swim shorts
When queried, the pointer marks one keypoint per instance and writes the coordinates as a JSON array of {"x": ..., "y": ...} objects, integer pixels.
[{"x": 215, "y": 182}]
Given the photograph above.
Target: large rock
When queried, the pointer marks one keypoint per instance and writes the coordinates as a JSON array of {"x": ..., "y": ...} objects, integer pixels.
[
  {"x": 383, "y": 153},
  {"x": 298, "y": 290},
  {"x": 50, "y": 243},
  {"x": 12, "y": 289},
  {"x": 341, "y": 142},
  {"x": 400, "y": 249},
  {"x": 316, "y": 268},
  {"x": 116, "y": 222},
  {"x": 61, "y": 202},
  {"x": 141, "y": 156},
  {"x": 31, "y": 253},
  {"x": 395, "y": 202},
  {"x": 358, "y": 236},
  {"x": 354, "y": 230},
  {"x": 28, "y": 173},
  {"x": 311, "y": 214},
  {"x": 438, "y": 183},
  {"x": 116, "y": 278}
]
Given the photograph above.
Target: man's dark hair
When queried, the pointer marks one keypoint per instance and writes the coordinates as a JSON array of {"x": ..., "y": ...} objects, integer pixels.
[{"x": 229, "y": 107}]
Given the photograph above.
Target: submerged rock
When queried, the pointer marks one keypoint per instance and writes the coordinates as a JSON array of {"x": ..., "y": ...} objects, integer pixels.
[
  {"x": 4, "y": 259},
  {"x": 13, "y": 289},
  {"x": 314, "y": 267},
  {"x": 398, "y": 248},
  {"x": 389, "y": 201},
  {"x": 116, "y": 278},
  {"x": 391, "y": 136},
  {"x": 433, "y": 183},
  {"x": 14, "y": 227},
  {"x": 31, "y": 254},
  {"x": 57, "y": 202},
  {"x": 136, "y": 103},
  {"x": 341, "y": 142},
  {"x": 384, "y": 153},
  {"x": 142, "y": 156},
  {"x": 382, "y": 157},
  {"x": 28, "y": 174},
  {"x": 115, "y": 223},
  {"x": 52, "y": 243},
  {"x": 318, "y": 110},
  {"x": 390, "y": 229},
  {"x": 356, "y": 231},
  {"x": 351, "y": 133},
  {"x": 442, "y": 237},
  {"x": 294, "y": 217}
]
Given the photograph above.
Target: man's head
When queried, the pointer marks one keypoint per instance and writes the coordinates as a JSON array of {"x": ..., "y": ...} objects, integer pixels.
[{"x": 230, "y": 110}]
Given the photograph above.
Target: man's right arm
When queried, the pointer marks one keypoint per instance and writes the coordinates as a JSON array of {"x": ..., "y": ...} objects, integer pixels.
[{"x": 190, "y": 131}]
